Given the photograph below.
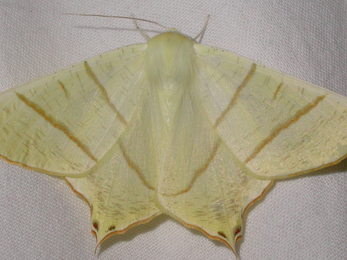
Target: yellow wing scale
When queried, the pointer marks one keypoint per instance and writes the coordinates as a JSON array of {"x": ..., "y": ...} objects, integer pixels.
[
  {"x": 286, "y": 122},
  {"x": 68, "y": 127},
  {"x": 171, "y": 127}
]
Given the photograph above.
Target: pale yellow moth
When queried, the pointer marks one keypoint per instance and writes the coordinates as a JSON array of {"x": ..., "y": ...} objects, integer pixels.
[{"x": 171, "y": 126}]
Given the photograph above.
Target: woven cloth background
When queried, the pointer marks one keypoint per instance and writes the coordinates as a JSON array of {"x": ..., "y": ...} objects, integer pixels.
[{"x": 302, "y": 218}]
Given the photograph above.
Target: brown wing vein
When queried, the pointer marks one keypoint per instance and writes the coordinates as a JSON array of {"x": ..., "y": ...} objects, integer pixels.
[
  {"x": 92, "y": 75},
  {"x": 237, "y": 93},
  {"x": 63, "y": 88},
  {"x": 278, "y": 129},
  {"x": 133, "y": 166},
  {"x": 201, "y": 170},
  {"x": 56, "y": 124},
  {"x": 278, "y": 90}
]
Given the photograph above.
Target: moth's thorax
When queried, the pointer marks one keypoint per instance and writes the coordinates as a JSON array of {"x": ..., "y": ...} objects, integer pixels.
[
  {"x": 170, "y": 69},
  {"x": 170, "y": 58}
]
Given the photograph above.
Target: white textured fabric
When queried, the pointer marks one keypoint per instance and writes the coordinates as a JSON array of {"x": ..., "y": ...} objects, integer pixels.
[{"x": 302, "y": 218}]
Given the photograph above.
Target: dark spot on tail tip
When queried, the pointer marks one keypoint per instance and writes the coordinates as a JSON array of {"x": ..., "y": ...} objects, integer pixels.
[
  {"x": 237, "y": 230},
  {"x": 111, "y": 228},
  {"x": 96, "y": 225},
  {"x": 222, "y": 234}
]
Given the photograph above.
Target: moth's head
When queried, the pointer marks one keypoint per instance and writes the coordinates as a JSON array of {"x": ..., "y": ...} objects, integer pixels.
[{"x": 171, "y": 38}]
